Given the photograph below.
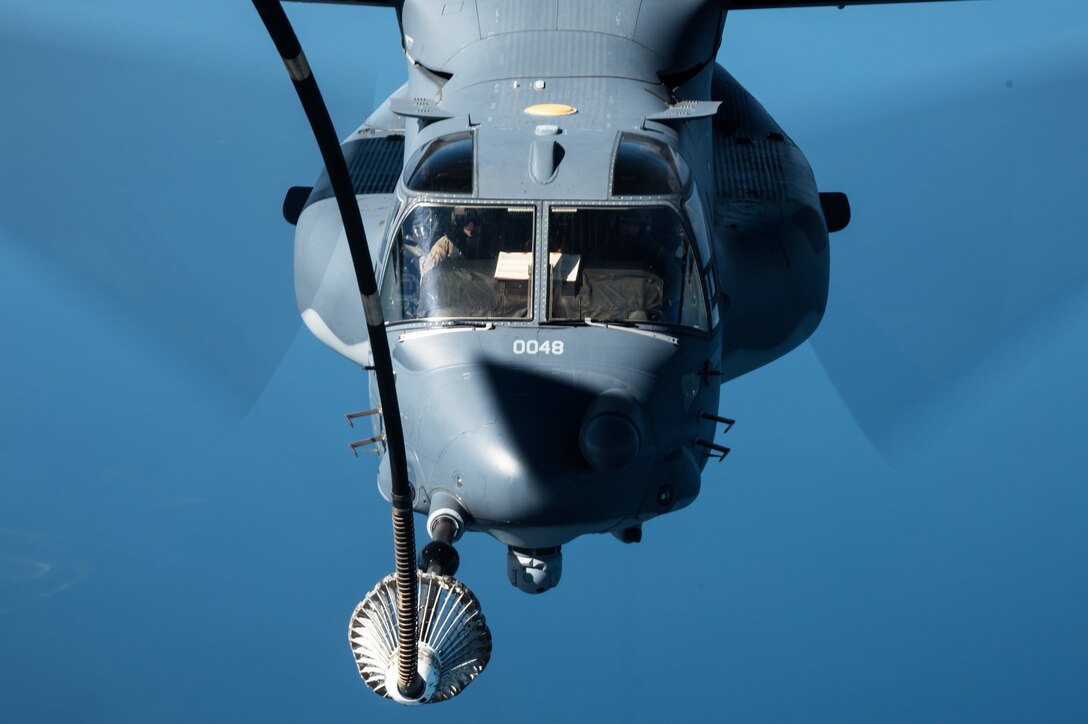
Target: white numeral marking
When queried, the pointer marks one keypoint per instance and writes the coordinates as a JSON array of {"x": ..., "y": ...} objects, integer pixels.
[{"x": 532, "y": 346}]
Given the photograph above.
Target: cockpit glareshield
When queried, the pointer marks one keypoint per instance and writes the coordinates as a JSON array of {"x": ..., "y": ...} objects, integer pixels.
[
  {"x": 631, "y": 264},
  {"x": 461, "y": 262}
]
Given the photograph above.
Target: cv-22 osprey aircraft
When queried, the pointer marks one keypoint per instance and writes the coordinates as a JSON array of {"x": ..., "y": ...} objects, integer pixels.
[{"x": 550, "y": 246}]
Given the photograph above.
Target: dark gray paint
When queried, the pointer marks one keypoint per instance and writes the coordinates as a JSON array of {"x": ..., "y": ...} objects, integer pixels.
[{"x": 500, "y": 432}]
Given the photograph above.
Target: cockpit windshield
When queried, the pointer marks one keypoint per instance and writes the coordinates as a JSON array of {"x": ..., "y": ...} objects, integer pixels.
[
  {"x": 623, "y": 265},
  {"x": 461, "y": 262}
]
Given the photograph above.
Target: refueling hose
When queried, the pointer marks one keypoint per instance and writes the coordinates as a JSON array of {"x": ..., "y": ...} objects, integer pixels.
[{"x": 287, "y": 44}]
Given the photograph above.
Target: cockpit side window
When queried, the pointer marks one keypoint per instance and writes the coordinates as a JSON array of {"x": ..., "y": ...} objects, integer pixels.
[
  {"x": 644, "y": 167},
  {"x": 461, "y": 262},
  {"x": 443, "y": 166},
  {"x": 623, "y": 265}
]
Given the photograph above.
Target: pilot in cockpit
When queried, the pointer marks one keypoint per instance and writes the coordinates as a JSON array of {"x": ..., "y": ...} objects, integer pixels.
[{"x": 465, "y": 239}]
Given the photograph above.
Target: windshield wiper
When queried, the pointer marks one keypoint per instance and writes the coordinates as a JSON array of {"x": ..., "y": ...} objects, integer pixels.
[
  {"x": 447, "y": 328},
  {"x": 632, "y": 327},
  {"x": 590, "y": 322}
]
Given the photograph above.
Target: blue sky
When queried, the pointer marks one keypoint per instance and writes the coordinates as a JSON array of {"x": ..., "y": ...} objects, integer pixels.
[{"x": 899, "y": 534}]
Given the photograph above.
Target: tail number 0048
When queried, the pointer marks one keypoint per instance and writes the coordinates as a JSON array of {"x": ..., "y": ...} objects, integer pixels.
[{"x": 532, "y": 346}]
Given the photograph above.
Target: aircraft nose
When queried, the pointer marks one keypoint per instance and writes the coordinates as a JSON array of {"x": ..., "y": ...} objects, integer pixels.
[
  {"x": 537, "y": 455},
  {"x": 611, "y": 433}
]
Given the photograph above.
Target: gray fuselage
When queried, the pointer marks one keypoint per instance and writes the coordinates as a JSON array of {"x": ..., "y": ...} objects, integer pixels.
[{"x": 653, "y": 233}]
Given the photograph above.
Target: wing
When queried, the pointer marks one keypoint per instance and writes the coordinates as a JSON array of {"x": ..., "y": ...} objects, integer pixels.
[
  {"x": 774, "y": 4},
  {"x": 728, "y": 4}
]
